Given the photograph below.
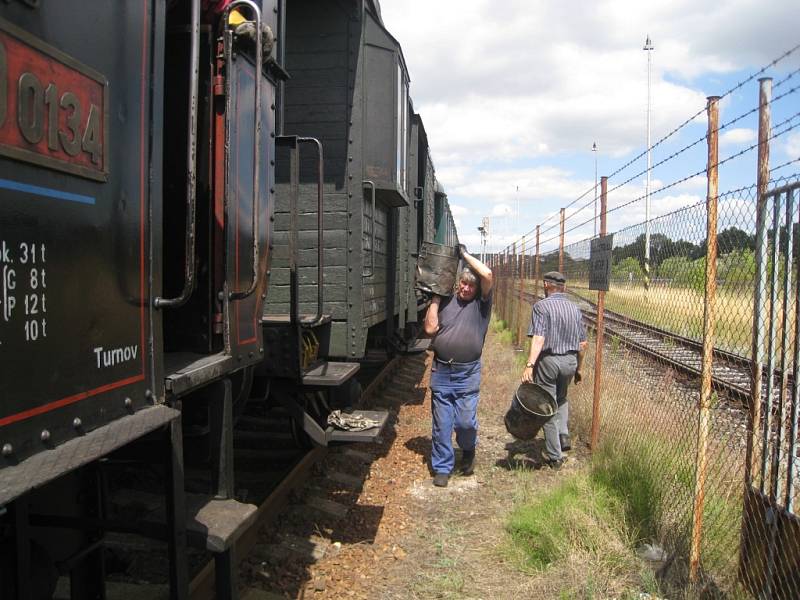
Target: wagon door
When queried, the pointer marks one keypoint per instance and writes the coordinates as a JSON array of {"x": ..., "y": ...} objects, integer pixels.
[{"x": 247, "y": 225}]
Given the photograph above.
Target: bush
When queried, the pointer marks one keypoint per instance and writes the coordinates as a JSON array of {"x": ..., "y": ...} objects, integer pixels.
[{"x": 623, "y": 270}]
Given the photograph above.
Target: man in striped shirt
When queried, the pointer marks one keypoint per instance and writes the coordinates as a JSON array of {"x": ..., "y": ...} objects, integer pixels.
[{"x": 558, "y": 341}]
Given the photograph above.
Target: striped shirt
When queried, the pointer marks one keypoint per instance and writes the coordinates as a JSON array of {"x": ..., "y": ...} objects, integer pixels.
[{"x": 559, "y": 322}]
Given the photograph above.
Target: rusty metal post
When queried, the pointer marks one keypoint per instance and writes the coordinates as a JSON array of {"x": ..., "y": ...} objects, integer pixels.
[
  {"x": 708, "y": 336},
  {"x": 561, "y": 244},
  {"x": 512, "y": 321},
  {"x": 507, "y": 261},
  {"x": 601, "y": 305},
  {"x": 757, "y": 373},
  {"x": 521, "y": 301},
  {"x": 536, "y": 265}
]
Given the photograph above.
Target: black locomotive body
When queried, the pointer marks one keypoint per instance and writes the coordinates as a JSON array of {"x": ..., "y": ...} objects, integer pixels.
[{"x": 203, "y": 204}]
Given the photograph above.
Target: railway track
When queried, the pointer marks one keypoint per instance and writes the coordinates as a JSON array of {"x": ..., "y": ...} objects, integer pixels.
[
  {"x": 730, "y": 372},
  {"x": 273, "y": 477}
]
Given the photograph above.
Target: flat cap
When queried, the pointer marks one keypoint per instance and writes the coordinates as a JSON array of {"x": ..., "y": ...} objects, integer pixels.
[{"x": 555, "y": 277}]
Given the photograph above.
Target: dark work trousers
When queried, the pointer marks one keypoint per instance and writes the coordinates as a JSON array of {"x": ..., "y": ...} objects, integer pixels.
[
  {"x": 454, "y": 404},
  {"x": 554, "y": 372}
]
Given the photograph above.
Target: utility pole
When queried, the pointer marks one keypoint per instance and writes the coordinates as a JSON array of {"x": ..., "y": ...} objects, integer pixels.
[
  {"x": 594, "y": 151},
  {"x": 648, "y": 47}
]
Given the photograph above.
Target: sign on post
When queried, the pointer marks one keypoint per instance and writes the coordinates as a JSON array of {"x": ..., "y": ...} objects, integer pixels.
[{"x": 600, "y": 262}]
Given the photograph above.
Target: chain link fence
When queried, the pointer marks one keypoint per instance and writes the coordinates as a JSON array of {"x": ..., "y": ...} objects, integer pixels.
[{"x": 698, "y": 409}]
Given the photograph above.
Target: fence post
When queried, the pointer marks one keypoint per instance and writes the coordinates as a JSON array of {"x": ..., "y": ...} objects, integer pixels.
[
  {"x": 521, "y": 303},
  {"x": 561, "y": 244},
  {"x": 507, "y": 261},
  {"x": 756, "y": 376},
  {"x": 512, "y": 324},
  {"x": 601, "y": 304},
  {"x": 536, "y": 269},
  {"x": 708, "y": 335}
]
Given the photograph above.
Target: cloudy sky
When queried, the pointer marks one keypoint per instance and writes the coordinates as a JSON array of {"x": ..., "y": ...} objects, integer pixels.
[{"x": 514, "y": 92}]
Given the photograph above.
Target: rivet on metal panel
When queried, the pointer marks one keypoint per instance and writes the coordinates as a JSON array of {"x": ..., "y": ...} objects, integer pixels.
[
  {"x": 250, "y": 354},
  {"x": 272, "y": 106},
  {"x": 351, "y": 122},
  {"x": 239, "y": 358},
  {"x": 263, "y": 296},
  {"x": 261, "y": 350},
  {"x": 272, "y": 134},
  {"x": 269, "y": 272},
  {"x": 350, "y": 194},
  {"x": 272, "y": 218},
  {"x": 350, "y": 268},
  {"x": 8, "y": 449},
  {"x": 350, "y": 158},
  {"x": 349, "y": 176},
  {"x": 45, "y": 436},
  {"x": 77, "y": 423},
  {"x": 272, "y": 163},
  {"x": 128, "y": 403}
]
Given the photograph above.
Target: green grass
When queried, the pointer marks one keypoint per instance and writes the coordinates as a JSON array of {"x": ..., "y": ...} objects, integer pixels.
[{"x": 576, "y": 516}]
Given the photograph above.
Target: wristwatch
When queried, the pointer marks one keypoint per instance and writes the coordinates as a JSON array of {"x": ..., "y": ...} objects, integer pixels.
[{"x": 528, "y": 365}]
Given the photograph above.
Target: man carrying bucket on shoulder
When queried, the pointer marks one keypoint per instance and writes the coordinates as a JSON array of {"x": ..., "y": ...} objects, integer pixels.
[
  {"x": 558, "y": 341},
  {"x": 458, "y": 325}
]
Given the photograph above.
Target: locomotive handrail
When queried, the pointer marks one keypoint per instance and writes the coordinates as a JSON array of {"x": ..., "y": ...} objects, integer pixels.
[
  {"x": 372, "y": 248},
  {"x": 228, "y": 46},
  {"x": 191, "y": 169},
  {"x": 320, "y": 212}
]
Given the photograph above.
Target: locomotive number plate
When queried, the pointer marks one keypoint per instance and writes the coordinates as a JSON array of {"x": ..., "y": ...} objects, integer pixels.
[{"x": 53, "y": 109}]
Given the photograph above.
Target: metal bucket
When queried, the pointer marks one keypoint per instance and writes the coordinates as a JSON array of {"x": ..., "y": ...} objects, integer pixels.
[
  {"x": 437, "y": 268},
  {"x": 531, "y": 407}
]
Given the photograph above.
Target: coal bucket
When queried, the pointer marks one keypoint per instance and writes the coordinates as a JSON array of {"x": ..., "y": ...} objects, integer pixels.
[
  {"x": 437, "y": 267},
  {"x": 531, "y": 407}
]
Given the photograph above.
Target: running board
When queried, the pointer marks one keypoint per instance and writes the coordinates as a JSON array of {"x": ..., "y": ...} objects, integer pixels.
[{"x": 323, "y": 437}]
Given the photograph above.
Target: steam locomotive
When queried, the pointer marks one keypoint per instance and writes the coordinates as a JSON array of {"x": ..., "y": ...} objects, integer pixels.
[{"x": 203, "y": 204}]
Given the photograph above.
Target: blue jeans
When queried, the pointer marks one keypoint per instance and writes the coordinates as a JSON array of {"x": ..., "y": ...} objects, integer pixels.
[{"x": 454, "y": 404}]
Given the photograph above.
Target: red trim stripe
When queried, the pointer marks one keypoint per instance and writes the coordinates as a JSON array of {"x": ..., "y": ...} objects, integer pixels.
[{"x": 69, "y": 400}]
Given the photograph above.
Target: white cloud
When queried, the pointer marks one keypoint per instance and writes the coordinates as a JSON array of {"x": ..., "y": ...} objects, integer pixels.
[
  {"x": 501, "y": 210},
  {"x": 513, "y": 93},
  {"x": 738, "y": 137},
  {"x": 792, "y": 145},
  {"x": 458, "y": 210}
]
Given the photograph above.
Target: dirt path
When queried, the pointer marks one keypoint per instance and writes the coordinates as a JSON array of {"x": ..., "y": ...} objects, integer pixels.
[{"x": 404, "y": 538}]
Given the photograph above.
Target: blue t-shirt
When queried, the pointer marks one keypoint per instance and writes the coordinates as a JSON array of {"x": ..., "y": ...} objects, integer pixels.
[{"x": 462, "y": 328}]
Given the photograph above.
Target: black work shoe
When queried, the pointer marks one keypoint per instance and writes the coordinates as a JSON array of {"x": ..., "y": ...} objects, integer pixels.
[
  {"x": 441, "y": 479},
  {"x": 467, "y": 466},
  {"x": 554, "y": 464},
  {"x": 566, "y": 442}
]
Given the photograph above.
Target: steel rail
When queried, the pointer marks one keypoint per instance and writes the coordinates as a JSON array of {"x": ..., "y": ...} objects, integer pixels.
[{"x": 731, "y": 372}]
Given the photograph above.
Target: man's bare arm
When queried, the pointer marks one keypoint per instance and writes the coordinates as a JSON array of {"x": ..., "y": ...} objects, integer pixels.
[
  {"x": 484, "y": 272},
  {"x": 581, "y": 353},
  {"x": 537, "y": 343},
  {"x": 431, "y": 325}
]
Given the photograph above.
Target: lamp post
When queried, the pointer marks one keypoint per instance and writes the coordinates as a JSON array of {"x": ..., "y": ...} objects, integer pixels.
[
  {"x": 484, "y": 229},
  {"x": 594, "y": 151},
  {"x": 648, "y": 47}
]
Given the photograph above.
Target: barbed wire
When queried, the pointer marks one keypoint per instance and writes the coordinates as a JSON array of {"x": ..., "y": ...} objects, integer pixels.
[
  {"x": 695, "y": 174},
  {"x": 680, "y": 151}
]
